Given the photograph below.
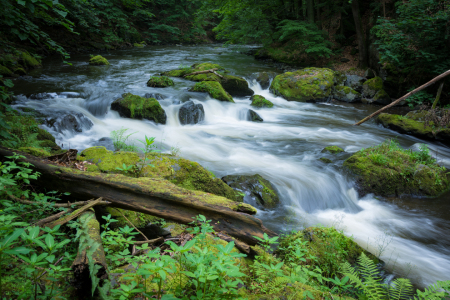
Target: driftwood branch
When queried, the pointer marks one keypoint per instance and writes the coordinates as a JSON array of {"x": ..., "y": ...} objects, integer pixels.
[
  {"x": 204, "y": 72},
  {"x": 68, "y": 205},
  {"x": 156, "y": 197},
  {"x": 404, "y": 97},
  {"x": 150, "y": 242},
  {"x": 52, "y": 218},
  {"x": 132, "y": 224},
  {"x": 90, "y": 251}
]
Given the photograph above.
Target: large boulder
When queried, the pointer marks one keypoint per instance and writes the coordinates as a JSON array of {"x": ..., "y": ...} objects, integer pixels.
[
  {"x": 355, "y": 82},
  {"x": 160, "y": 81},
  {"x": 136, "y": 107},
  {"x": 191, "y": 113},
  {"x": 214, "y": 89},
  {"x": 98, "y": 60},
  {"x": 260, "y": 101},
  {"x": 260, "y": 190},
  {"x": 73, "y": 122},
  {"x": 346, "y": 94},
  {"x": 388, "y": 170},
  {"x": 234, "y": 85},
  {"x": 374, "y": 93},
  {"x": 307, "y": 85},
  {"x": 264, "y": 78}
]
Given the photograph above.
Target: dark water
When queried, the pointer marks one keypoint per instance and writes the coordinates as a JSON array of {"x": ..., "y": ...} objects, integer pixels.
[{"x": 412, "y": 235}]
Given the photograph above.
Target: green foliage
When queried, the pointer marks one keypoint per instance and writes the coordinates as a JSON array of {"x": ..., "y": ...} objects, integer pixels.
[
  {"x": 420, "y": 98},
  {"x": 413, "y": 41},
  {"x": 120, "y": 140}
]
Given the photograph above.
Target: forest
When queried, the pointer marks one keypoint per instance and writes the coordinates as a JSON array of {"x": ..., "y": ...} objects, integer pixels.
[{"x": 211, "y": 149}]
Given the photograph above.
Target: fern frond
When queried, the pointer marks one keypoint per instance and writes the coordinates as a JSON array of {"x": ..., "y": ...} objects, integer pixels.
[
  {"x": 400, "y": 288},
  {"x": 368, "y": 267},
  {"x": 436, "y": 291}
]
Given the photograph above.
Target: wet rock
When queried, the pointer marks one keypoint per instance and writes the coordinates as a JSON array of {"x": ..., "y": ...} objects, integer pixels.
[
  {"x": 307, "y": 85},
  {"x": 236, "y": 86},
  {"x": 73, "y": 122},
  {"x": 157, "y": 96},
  {"x": 325, "y": 160},
  {"x": 98, "y": 61},
  {"x": 258, "y": 189},
  {"x": 160, "y": 81},
  {"x": 369, "y": 74},
  {"x": 214, "y": 89},
  {"x": 191, "y": 113},
  {"x": 332, "y": 149},
  {"x": 136, "y": 107},
  {"x": 105, "y": 142},
  {"x": 264, "y": 78},
  {"x": 70, "y": 94},
  {"x": 42, "y": 96},
  {"x": 346, "y": 94},
  {"x": 253, "y": 116},
  {"x": 372, "y": 86},
  {"x": 260, "y": 101},
  {"x": 355, "y": 82}
]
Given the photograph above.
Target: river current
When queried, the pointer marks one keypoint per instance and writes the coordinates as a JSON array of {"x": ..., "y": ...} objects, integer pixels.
[{"x": 410, "y": 234}]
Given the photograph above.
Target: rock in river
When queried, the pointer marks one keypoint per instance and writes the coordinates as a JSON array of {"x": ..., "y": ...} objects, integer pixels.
[
  {"x": 136, "y": 107},
  {"x": 191, "y": 113}
]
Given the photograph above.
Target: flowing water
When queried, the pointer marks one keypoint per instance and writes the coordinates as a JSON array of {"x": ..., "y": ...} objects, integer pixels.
[{"x": 410, "y": 235}]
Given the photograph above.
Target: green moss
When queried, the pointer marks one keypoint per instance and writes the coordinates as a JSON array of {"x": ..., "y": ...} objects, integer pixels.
[
  {"x": 389, "y": 170},
  {"x": 20, "y": 71},
  {"x": 372, "y": 86},
  {"x": 138, "y": 45},
  {"x": 92, "y": 168},
  {"x": 407, "y": 125},
  {"x": 310, "y": 84},
  {"x": 160, "y": 81},
  {"x": 175, "y": 229},
  {"x": 197, "y": 68},
  {"x": 332, "y": 149},
  {"x": 108, "y": 161},
  {"x": 45, "y": 135},
  {"x": 175, "y": 73},
  {"x": 214, "y": 89},
  {"x": 136, "y": 107},
  {"x": 204, "y": 77},
  {"x": 98, "y": 61},
  {"x": 325, "y": 160},
  {"x": 347, "y": 94},
  {"x": 29, "y": 60},
  {"x": 260, "y": 101},
  {"x": 207, "y": 66},
  {"x": 35, "y": 151},
  {"x": 138, "y": 219},
  {"x": 4, "y": 71}
]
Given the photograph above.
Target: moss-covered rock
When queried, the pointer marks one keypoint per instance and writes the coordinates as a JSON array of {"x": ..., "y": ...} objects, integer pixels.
[
  {"x": 236, "y": 86},
  {"x": 406, "y": 125},
  {"x": 138, "y": 219},
  {"x": 372, "y": 86},
  {"x": 137, "y": 45},
  {"x": 389, "y": 170},
  {"x": 332, "y": 149},
  {"x": 160, "y": 81},
  {"x": 329, "y": 246},
  {"x": 4, "y": 71},
  {"x": 264, "y": 78},
  {"x": 260, "y": 101},
  {"x": 20, "y": 71},
  {"x": 108, "y": 161},
  {"x": 325, "y": 160},
  {"x": 346, "y": 94},
  {"x": 196, "y": 68},
  {"x": 136, "y": 107},
  {"x": 307, "y": 85},
  {"x": 214, "y": 89},
  {"x": 382, "y": 98},
  {"x": 253, "y": 116},
  {"x": 29, "y": 60},
  {"x": 35, "y": 151},
  {"x": 98, "y": 60},
  {"x": 256, "y": 187}
]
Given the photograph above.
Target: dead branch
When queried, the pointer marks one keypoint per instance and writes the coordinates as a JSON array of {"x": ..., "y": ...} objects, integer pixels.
[
  {"x": 68, "y": 205},
  {"x": 404, "y": 97},
  {"x": 150, "y": 242},
  {"x": 204, "y": 72},
  {"x": 131, "y": 223},
  {"x": 42, "y": 222}
]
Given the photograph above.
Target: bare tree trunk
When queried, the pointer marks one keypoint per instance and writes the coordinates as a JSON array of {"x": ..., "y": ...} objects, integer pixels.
[
  {"x": 363, "y": 54},
  {"x": 310, "y": 10}
]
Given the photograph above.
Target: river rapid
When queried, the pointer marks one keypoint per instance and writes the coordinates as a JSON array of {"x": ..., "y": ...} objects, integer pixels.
[{"x": 411, "y": 235}]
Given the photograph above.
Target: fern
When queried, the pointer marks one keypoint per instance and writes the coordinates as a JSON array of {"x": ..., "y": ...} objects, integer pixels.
[
  {"x": 400, "y": 288},
  {"x": 437, "y": 291}
]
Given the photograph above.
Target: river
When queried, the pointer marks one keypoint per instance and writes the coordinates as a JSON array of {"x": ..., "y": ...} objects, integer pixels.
[{"x": 410, "y": 235}]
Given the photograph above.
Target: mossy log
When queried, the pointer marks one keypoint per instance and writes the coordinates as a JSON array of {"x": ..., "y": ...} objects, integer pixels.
[
  {"x": 157, "y": 197},
  {"x": 90, "y": 250}
]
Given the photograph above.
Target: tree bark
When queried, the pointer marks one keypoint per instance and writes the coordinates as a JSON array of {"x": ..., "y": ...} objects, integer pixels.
[
  {"x": 310, "y": 10},
  {"x": 152, "y": 196},
  {"x": 363, "y": 60}
]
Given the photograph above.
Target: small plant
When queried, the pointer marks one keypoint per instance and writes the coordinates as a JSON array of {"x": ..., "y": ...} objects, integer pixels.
[
  {"x": 266, "y": 242},
  {"x": 120, "y": 140}
]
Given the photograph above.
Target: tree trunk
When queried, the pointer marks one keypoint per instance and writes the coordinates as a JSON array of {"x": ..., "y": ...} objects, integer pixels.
[
  {"x": 310, "y": 10},
  {"x": 153, "y": 196},
  {"x": 363, "y": 54}
]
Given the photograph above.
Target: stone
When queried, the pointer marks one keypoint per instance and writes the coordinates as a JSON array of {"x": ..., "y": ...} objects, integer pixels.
[
  {"x": 236, "y": 86},
  {"x": 106, "y": 142},
  {"x": 157, "y": 96},
  {"x": 191, "y": 113},
  {"x": 346, "y": 94},
  {"x": 256, "y": 189},
  {"x": 260, "y": 101},
  {"x": 369, "y": 74},
  {"x": 307, "y": 85},
  {"x": 98, "y": 61},
  {"x": 136, "y": 107},
  {"x": 42, "y": 96},
  {"x": 214, "y": 89},
  {"x": 160, "y": 81},
  {"x": 253, "y": 116},
  {"x": 355, "y": 82},
  {"x": 325, "y": 160},
  {"x": 73, "y": 122},
  {"x": 264, "y": 78},
  {"x": 332, "y": 149},
  {"x": 372, "y": 86}
]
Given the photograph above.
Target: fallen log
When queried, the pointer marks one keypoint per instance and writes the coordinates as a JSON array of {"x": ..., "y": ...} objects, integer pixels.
[
  {"x": 201, "y": 72},
  {"x": 404, "y": 97},
  {"x": 90, "y": 254},
  {"x": 153, "y": 196}
]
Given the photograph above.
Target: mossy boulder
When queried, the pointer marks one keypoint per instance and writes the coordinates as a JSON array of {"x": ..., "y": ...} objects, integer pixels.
[
  {"x": 137, "y": 45},
  {"x": 264, "y": 78},
  {"x": 30, "y": 61},
  {"x": 346, "y": 94},
  {"x": 195, "y": 68},
  {"x": 136, "y": 107},
  {"x": 236, "y": 86},
  {"x": 189, "y": 175},
  {"x": 214, "y": 89},
  {"x": 108, "y": 161},
  {"x": 160, "y": 81},
  {"x": 98, "y": 60},
  {"x": 4, "y": 71},
  {"x": 325, "y": 160},
  {"x": 389, "y": 170},
  {"x": 260, "y": 101},
  {"x": 260, "y": 190},
  {"x": 35, "y": 151},
  {"x": 253, "y": 116},
  {"x": 330, "y": 247},
  {"x": 332, "y": 149},
  {"x": 372, "y": 86},
  {"x": 307, "y": 85}
]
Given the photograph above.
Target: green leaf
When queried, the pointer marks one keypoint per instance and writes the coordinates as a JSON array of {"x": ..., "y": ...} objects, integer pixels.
[{"x": 18, "y": 250}]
